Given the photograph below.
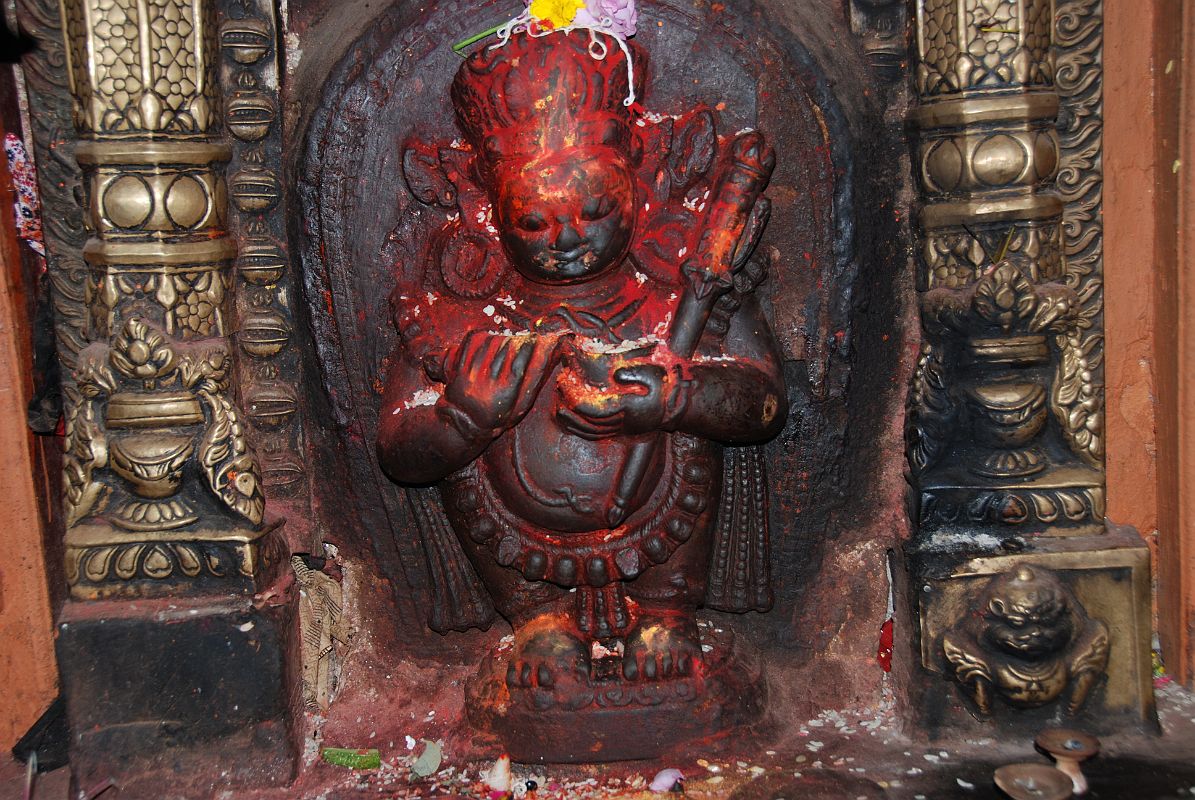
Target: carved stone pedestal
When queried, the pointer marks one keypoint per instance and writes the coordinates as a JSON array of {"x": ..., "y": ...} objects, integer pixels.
[
  {"x": 609, "y": 719},
  {"x": 178, "y": 657},
  {"x": 186, "y": 694},
  {"x": 1033, "y": 631}
]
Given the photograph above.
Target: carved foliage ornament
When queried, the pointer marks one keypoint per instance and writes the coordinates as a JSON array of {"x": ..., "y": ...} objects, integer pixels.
[
  {"x": 148, "y": 382},
  {"x": 1004, "y": 318},
  {"x": 1079, "y": 82},
  {"x": 160, "y": 561},
  {"x": 955, "y": 258}
]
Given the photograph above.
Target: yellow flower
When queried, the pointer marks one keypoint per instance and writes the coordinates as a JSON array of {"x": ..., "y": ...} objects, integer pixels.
[{"x": 556, "y": 13}]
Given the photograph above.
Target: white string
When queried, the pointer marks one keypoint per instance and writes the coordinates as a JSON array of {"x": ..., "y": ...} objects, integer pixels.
[
  {"x": 594, "y": 42},
  {"x": 597, "y": 48},
  {"x": 517, "y": 25},
  {"x": 626, "y": 51}
]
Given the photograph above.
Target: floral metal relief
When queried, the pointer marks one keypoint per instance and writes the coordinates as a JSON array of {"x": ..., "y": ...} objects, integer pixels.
[
  {"x": 141, "y": 66},
  {"x": 154, "y": 438},
  {"x": 978, "y": 44},
  {"x": 1079, "y": 35},
  {"x": 1011, "y": 326}
]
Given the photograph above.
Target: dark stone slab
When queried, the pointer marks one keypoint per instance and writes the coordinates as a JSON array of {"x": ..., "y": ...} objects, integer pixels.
[{"x": 196, "y": 692}]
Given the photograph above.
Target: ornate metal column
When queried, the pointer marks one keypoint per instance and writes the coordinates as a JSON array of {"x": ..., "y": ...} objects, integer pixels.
[
  {"x": 155, "y": 437},
  {"x": 1005, "y": 428},
  {"x": 164, "y": 496},
  {"x": 881, "y": 26}
]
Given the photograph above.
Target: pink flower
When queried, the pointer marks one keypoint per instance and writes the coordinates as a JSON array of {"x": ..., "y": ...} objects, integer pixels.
[{"x": 622, "y": 16}]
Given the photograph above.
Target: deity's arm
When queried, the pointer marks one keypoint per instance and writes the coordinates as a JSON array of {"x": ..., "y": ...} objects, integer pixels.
[
  {"x": 737, "y": 393},
  {"x": 417, "y": 442},
  {"x": 439, "y": 418}
]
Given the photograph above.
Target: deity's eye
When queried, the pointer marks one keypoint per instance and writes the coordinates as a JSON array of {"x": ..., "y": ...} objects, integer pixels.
[
  {"x": 597, "y": 207},
  {"x": 532, "y": 222}
]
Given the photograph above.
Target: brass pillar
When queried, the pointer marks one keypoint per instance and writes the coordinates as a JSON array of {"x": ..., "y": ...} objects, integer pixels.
[
  {"x": 162, "y": 491},
  {"x": 1005, "y": 426},
  {"x": 167, "y": 661}
]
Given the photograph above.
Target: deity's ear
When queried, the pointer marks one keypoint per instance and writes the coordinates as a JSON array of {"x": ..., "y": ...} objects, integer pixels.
[
  {"x": 425, "y": 177},
  {"x": 457, "y": 166},
  {"x": 694, "y": 143}
]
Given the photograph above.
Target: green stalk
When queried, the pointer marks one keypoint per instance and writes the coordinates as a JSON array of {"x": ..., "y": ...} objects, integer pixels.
[
  {"x": 461, "y": 45},
  {"x": 1004, "y": 247}
]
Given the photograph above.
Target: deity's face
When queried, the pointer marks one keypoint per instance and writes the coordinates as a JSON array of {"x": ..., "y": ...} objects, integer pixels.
[
  {"x": 1028, "y": 624},
  {"x": 566, "y": 217}
]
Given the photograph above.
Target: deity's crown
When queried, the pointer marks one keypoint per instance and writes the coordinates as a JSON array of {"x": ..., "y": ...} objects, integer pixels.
[
  {"x": 1023, "y": 591},
  {"x": 539, "y": 94}
]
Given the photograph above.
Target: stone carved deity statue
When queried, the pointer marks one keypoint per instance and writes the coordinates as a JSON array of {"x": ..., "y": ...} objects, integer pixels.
[{"x": 579, "y": 338}]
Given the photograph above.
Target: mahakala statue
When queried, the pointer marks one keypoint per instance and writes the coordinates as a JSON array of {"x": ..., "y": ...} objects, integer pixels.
[{"x": 579, "y": 337}]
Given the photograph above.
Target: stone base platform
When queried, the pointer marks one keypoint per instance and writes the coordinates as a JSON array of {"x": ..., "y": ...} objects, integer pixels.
[
  {"x": 616, "y": 720},
  {"x": 187, "y": 693}
]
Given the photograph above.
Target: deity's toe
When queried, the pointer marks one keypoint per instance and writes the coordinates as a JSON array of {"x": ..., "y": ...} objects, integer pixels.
[
  {"x": 659, "y": 648},
  {"x": 545, "y": 652}
]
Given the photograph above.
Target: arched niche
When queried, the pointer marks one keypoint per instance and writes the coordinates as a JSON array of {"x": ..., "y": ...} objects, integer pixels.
[{"x": 839, "y": 299}]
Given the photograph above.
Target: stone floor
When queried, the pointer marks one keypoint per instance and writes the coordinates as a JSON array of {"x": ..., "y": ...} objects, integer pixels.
[{"x": 835, "y": 755}]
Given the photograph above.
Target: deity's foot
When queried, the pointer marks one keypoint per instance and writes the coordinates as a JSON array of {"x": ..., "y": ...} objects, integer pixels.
[
  {"x": 661, "y": 646},
  {"x": 609, "y": 718},
  {"x": 546, "y": 650}
]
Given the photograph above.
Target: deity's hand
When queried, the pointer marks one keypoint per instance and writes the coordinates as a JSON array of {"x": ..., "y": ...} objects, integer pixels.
[
  {"x": 604, "y": 395},
  {"x": 492, "y": 380}
]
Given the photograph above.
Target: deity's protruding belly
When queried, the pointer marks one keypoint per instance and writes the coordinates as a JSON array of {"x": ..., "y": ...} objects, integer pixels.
[{"x": 558, "y": 480}]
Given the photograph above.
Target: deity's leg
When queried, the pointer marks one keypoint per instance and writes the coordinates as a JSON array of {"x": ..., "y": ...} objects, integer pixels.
[
  {"x": 548, "y": 646},
  {"x": 664, "y": 640}
]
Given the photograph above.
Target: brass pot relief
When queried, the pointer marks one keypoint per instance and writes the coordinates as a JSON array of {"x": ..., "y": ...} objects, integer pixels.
[
  {"x": 152, "y": 464},
  {"x": 1007, "y": 417}
]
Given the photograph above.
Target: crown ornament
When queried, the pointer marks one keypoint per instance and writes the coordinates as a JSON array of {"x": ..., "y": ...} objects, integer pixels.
[{"x": 533, "y": 95}]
